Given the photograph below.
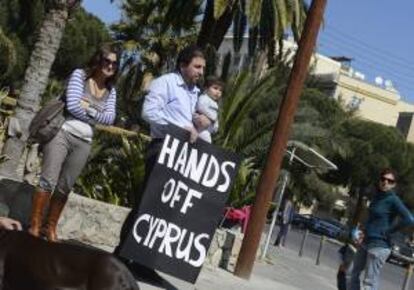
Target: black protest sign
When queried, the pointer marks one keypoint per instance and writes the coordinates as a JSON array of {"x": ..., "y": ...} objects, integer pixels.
[{"x": 181, "y": 206}]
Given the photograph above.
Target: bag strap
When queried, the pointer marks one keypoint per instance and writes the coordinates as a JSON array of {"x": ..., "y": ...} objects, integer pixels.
[{"x": 62, "y": 95}]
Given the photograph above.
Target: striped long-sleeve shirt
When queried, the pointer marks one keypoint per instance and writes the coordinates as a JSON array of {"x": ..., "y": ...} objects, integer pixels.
[{"x": 101, "y": 110}]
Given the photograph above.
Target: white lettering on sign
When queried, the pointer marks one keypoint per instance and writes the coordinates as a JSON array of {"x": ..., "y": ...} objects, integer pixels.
[
  {"x": 212, "y": 173},
  {"x": 201, "y": 249},
  {"x": 169, "y": 239},
  {"x": 223, "y": 187},
  {"x": 179, "y": 190},
  {"x": 182, "y": 159},
  {"x": 187, "y": 202},
  {"x": 167, "y": 232},
  {"x": 168, "y": 150},
  {"x": 168, "y": 190},
  {"x": 174, "y": 191},
  {"x": 205, "y": 169},
  {"x": 195, "y": 167}
]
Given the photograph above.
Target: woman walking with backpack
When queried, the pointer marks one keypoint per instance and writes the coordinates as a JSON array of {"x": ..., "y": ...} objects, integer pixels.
[{"x": 90, "y": 99}]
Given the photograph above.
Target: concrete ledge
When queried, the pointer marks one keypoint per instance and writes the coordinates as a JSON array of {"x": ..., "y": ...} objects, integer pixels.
[{"x": 92, "y": 222}]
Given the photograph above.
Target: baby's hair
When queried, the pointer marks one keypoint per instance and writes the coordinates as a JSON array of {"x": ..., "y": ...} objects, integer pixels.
[{"x": 213, "y": 80}]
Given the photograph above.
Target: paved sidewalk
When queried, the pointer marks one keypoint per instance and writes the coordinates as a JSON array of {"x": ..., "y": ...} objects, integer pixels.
[{"x": 283, "y": 270}]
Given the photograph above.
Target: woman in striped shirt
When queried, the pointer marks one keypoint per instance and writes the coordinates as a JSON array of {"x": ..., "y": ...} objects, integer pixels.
[{"x": 90, "y": 99}]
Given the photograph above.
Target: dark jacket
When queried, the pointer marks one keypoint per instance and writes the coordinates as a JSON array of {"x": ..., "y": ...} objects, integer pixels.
[{"x": 384, "y": 208}]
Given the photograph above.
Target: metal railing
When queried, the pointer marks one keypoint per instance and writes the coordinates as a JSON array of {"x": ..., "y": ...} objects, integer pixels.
[{"x": 409, "y": 261}]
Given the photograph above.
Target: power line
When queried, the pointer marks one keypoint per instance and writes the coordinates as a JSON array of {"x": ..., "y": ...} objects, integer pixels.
[
  {"x": 372, "y": 62},
  {"x": 396, "y": 77},
  {"x": 375, "y": 49},
  {"x": 370, "y": 52},
  {"x": 384, "y": 62},
  {"x": 377, "y": 63}
]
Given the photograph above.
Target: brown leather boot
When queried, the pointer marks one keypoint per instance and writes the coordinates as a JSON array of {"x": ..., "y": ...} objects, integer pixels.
[
  {"x": 57, "y": 203},
  {"x": 39, "y": 202}
]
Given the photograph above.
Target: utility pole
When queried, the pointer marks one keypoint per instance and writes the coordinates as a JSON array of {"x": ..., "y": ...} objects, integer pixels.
[{"x": 270, "y": 174}]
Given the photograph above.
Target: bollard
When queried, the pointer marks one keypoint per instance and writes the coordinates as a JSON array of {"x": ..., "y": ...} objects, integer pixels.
[
  {"x": 302, "y": 245},
  {"x": 408, "y": 275},
  {"x": 318, "y": 257}
]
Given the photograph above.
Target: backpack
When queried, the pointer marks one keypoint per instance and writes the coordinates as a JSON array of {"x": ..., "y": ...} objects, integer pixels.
[{"x": 47, "y": 122}]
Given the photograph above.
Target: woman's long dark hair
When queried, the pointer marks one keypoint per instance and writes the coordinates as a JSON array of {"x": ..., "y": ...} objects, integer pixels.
[{"x": 96, "y": 62}]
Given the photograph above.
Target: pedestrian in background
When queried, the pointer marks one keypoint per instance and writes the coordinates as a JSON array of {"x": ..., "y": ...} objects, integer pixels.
[
  {"x": 285, "y": 220},
  {"x": 375, "y": 246}
]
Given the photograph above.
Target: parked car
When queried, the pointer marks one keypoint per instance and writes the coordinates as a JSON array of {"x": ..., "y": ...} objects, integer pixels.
[
  {"x": 303, "y": 221},
  {"x": 402, "y": 251},
  {"x": 329, "y": 227}
]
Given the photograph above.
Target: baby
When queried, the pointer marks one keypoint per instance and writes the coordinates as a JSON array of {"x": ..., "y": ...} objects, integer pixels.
[{"x": 207, "y": 105}]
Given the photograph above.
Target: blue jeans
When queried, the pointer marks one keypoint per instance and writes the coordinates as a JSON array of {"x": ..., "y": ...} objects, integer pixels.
[
  {"x": 281, "y": 236},
  {"x": 371, "y": 261}
]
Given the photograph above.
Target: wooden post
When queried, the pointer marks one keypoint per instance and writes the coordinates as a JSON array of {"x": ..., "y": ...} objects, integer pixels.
[
  {"x": 318, "y": 257},
  {"x": 270, "y": 173},
  {"x": 407, "y": 278},
  {"x": 302, "y": 244}
]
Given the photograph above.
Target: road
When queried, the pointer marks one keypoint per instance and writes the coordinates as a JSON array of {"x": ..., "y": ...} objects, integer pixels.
[{"x": 392, "y": 276}]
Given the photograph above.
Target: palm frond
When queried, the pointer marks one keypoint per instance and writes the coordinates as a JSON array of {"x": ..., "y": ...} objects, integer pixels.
[
  {"x": 7, "y": 49},
  {"x": 220, "y": 7},
  {"x": 282, "y": 13},
  {"x": 254, "y": 8}
]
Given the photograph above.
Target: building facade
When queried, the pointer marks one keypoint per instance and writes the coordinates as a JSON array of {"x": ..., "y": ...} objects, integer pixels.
[{"x": 379, "y": 102}]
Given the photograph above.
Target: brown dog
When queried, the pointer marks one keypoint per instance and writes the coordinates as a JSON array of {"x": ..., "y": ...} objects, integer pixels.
[{"x": 28, "y": 263}]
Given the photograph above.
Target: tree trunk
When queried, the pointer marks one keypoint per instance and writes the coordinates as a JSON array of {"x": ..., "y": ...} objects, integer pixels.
[
  {"x": 360, "y": 214},
  {"x": 35, "y": 81}
]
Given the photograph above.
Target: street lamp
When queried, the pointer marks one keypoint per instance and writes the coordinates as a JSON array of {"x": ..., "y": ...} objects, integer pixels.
[{"x": 293, "y": 156}]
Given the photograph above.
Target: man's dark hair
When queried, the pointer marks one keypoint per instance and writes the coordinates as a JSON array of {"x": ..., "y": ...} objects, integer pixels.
[
  {"x": 186, "y": 55},
  {"x": 213, "y": 80},
  {"x": 389, "y": 171}
]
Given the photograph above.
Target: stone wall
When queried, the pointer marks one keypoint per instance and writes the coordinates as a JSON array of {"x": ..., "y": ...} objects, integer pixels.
[
  {"x": 92, "y": 222},
  {"x": 97, "y": 223},
  {"x": 224, "y": 249}
]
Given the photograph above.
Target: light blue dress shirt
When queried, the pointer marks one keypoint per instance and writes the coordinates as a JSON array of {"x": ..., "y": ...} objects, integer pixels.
[{"x": 169, "y": 101}]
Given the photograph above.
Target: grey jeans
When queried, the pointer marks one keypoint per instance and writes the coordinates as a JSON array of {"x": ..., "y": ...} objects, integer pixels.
[
  {"x": 371, "y": 260},
  {"x": 63, "y": 160}
]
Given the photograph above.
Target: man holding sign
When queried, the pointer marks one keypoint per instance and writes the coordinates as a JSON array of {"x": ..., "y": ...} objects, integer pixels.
[
  {"x": 186, "y": 182},
  {"x": 171, "y": 99}
]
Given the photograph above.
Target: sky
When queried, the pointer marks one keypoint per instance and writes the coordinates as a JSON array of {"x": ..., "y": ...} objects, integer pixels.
[{"x": 376, "y": 34}]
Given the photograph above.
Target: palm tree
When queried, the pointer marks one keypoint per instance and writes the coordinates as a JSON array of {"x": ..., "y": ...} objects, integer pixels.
[
  {"x": 151, "y": 35},
  {"x": 35, "y": 82},
  {"x": 248, "y": 112},
  {"x": 7, "y": 52},
  {"x": 115, "y": 172},
  {"x": 268, "y": 20},
  {"x": 152, "y": 26}
]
